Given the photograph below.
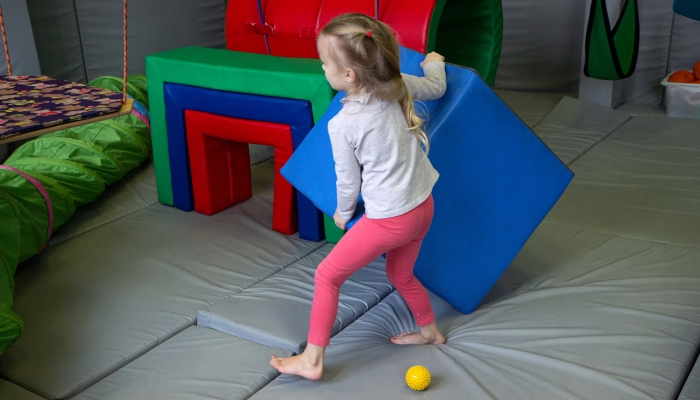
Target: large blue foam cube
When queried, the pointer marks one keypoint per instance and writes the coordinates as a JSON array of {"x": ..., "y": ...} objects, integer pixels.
[{"x": 497, "y": 182}]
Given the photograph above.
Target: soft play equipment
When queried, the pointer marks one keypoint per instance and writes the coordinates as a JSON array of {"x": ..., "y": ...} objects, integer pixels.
[
  {"x": 275, "y": 80},
  {"x": 295, "y": 113},
  {"x": 220, "y": 163},
  {"x": 497, "y": 182},
  {"x": 611, "y": 53},
  {"x": 43, "y": 182},
  {"x": 467, "y": 33}
]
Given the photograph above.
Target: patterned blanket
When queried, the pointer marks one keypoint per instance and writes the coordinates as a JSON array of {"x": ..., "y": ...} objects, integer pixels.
[{"x": 28, "y": 103}]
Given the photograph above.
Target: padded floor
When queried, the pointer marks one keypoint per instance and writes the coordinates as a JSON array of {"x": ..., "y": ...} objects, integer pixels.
[
  {"x": 643, "y": 181},
  {"x": 133, "y": 193},
  {"x": 691, "y": 389},
  {"x": 94, "y": 303},
  {"x": 579, "y": 315},
  {"x": 575, "y": 126},
  {"x": 196, "y": 364},
  {"x": 276, "y": 312},
  {"x": 531, "y": 107},
  {"x": 599, "y": 304},
  {"x": 10, "y": 391}
]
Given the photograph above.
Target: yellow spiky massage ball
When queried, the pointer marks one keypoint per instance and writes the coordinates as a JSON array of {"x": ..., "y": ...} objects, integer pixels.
[{"x": 418, "y": 377}]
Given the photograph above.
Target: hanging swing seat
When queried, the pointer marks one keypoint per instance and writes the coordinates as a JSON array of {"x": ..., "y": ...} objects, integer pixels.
[{"x": 31, "y": 106}]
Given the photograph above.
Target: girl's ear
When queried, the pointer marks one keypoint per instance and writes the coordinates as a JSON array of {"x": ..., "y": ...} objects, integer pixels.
[{"x": 349, "y": 75}]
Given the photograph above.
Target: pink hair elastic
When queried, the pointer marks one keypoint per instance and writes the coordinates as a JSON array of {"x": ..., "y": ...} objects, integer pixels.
[{"x": 369, "y": 33}]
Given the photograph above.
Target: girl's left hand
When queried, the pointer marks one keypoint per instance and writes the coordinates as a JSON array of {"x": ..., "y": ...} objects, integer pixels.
[
  {"x": 338, "y": 221},
  {"x": 432, "y": 56}
]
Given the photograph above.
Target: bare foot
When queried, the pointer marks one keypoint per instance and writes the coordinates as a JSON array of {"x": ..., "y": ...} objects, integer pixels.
[
  {"x": 308, "y": 364},
  {"x": 428, "y": 334}
]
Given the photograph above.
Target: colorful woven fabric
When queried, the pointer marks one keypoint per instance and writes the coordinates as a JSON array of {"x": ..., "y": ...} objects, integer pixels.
[{"x": 28, "y": 103}]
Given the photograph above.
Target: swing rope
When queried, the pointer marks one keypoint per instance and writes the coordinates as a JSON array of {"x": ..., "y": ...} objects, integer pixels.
[
  {"x": 4, "y": 42},
  {"x": 125, "y": 56}
]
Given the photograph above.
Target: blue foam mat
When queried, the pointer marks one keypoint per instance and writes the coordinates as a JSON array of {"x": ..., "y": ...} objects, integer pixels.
[
  {"x": 497, "y": 182},
  {"x": 295, "y": 113}
]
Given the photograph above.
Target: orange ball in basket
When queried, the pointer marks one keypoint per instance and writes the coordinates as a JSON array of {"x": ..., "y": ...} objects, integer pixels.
[
  {"x": 682, "y": 76},
  {"x": 696, "y": 70}
]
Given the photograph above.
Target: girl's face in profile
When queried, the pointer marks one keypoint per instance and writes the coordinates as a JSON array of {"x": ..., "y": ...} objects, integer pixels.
[{"x": 341, "y": 79}]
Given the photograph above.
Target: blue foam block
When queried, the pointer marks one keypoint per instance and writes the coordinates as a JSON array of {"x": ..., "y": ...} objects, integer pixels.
[
  {"x": 497, "y": 182},
  {"x": 295, "y": 113}
]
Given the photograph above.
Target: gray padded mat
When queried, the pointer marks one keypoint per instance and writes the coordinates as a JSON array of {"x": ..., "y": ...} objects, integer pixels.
[
  {"x": 579, "y": 315},
  {"x": 133, "y": 193},
  {"x": 691, "y": 389},
  {"x": 531, "y": 107},
  {"x": 196, "y": 364},
  {"x": 93, "y": 303},
  {"x": 574, "y": 126},
  {"x": 276, "y": 312},
  {"x": 10, "y": 391},
  {"x": 643, "y": 181},
  {"x": 138, "y": 191}
]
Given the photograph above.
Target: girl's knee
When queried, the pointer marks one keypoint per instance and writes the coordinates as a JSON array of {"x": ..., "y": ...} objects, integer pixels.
[
  {"x": 400, "y": 280},
  {"x": 327, "y": 274}
]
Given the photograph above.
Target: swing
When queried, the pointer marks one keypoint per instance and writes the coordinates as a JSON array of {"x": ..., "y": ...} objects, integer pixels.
[
  {"x": 611, "y": 54},
  {"x": 32, "y": 106}
]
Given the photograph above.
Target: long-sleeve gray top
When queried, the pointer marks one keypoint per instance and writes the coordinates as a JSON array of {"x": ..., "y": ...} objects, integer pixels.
[{"x": 375, "y": 153}]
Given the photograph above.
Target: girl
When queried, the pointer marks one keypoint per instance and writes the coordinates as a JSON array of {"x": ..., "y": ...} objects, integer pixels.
[{"x": 377, "y": 142}]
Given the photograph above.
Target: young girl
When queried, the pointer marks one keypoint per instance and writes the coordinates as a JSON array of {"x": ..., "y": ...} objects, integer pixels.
[{"x": 378, "y": 146}]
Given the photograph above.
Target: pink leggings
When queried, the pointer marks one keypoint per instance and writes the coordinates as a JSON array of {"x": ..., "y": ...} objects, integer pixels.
[{"x": 400, "y": 238}]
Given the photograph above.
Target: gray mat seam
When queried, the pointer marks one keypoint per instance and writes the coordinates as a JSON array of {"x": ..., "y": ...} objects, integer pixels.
[
  {"x": 601, "y": 140},
  {"x": 120, "y": 364},
  {"x": 265, "y": 381},
  {"x": 686, "y": 374},
  {"x": 101, "y": 225},
  {"x": 262, "y": 161},
  {"x": 313, "y": 250},
  {"x": 27, "y": 388},
  {"x": 622, "y": 236}
]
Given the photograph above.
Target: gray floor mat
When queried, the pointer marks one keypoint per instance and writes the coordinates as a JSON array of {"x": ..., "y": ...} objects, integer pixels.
[
  {"x": 691, "y": 389},
  {"x": 581, "y": 315},
  {"x": 196, "y": 364},
  {"x": 138, "y": 191},
  {"x": 643, "y": 110},
  {"x": 93, "y": 303},
  {"x": 276, "y": 312},
  {"x": 643, "y": 182},
  {"x": 133, "y": 193},
  {"x": 574, "y": 126},
  {"x": 531, "y": 107},
  {"x": 10, "y": 391}
]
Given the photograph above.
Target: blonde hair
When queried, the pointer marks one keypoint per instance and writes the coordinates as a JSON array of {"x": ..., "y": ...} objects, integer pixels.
[{"x": 370, "y": 49}]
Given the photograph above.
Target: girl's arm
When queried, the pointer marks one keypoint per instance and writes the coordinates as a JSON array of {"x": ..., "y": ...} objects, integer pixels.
[
  {"x": 348, "y": 172},
  {"x": 434, "y": 84}
]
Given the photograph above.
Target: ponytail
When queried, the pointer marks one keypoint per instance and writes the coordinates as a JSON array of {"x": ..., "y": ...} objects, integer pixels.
[{"x": 415, "y": 123}]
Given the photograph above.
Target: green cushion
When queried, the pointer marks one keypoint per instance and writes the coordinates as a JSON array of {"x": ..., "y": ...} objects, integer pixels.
[{"x": 294, "y": 78}]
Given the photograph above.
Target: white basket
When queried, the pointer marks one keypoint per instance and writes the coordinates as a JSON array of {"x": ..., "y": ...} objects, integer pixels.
[{"x": 682, "y": 99}]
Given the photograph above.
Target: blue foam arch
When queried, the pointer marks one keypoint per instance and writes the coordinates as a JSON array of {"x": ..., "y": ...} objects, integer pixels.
[
  {"x": 295, "y": 113},
  {"x": 497, "y": 182}
]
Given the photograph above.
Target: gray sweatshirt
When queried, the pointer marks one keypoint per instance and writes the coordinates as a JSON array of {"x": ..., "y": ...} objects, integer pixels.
[{"x": 375, "y": 153}]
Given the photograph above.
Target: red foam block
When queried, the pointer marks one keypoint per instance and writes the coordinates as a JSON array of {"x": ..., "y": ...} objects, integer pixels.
[{"x": 220, "y": 164}]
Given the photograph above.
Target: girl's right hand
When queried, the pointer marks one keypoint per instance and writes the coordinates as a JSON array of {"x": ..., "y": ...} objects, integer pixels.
[
  {"x": 431, "y": 57},
  {"x": 338, "y": 221}
]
